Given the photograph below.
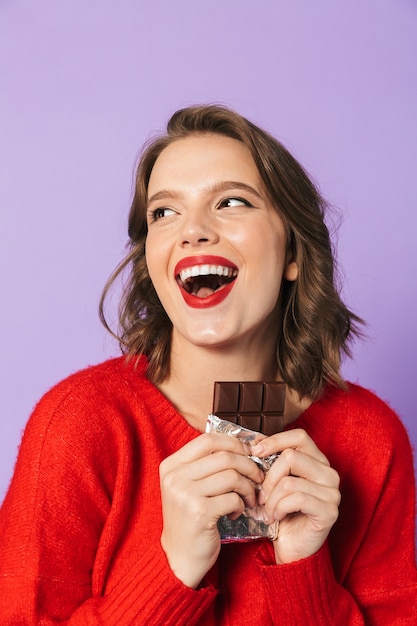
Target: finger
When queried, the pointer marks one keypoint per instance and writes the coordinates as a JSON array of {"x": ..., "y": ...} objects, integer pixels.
[
  {"x": 290, "y": 495},
  {"x": 322, "y": 512},
  {"x": 296, "y": 439},
  {"x": 296, "y": 463},
  {"x": 225, "y": 460},
  {"x": 225, "y": 482},
  {"x": 206, "y": 444},
  {"x": 230, "y": 504}
]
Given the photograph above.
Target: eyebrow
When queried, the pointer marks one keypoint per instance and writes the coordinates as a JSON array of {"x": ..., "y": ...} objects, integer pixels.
[{"x": 215, "y": 188}]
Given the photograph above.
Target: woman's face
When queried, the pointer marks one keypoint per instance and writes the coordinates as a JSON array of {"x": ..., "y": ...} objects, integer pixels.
[{"x": 216, "y": 248}]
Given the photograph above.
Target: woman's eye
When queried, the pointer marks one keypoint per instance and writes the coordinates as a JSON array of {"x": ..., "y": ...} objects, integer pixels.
[
  {"x": 158, "y": 214},
  {"x": 232, "y": 202}
]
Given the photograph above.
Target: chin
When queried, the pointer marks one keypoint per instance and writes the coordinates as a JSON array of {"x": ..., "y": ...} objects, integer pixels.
[{"x": 206, "y": 338}]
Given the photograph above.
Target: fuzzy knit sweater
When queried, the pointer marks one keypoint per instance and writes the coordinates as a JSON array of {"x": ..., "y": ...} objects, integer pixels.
[{"x": 80, "y": 525}]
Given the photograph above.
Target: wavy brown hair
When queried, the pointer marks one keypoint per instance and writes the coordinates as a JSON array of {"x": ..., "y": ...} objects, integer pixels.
[{"x": 315, "y": 325}]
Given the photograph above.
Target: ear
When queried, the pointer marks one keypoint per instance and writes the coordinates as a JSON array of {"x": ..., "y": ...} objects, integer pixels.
[{"x": 291, "y": 271}]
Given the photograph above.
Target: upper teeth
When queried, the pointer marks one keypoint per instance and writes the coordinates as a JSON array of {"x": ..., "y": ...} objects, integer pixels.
[{"x": 205, "y": 270}]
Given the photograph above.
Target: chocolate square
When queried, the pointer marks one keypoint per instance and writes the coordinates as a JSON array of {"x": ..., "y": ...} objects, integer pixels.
[{"x": 257, "y": 405}]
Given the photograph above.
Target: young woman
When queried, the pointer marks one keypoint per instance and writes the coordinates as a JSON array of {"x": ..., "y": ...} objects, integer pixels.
[{"x": 111, "y": 517}]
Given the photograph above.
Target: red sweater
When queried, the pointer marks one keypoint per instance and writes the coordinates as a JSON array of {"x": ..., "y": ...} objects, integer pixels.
[{"x": 81, "y": 522}]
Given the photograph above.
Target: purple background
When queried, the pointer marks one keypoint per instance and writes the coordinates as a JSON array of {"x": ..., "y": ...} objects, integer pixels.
[{"x": 84, "y": 82}]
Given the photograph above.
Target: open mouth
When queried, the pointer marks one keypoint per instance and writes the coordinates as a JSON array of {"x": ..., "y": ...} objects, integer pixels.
[{"x": 204, "y": 280}]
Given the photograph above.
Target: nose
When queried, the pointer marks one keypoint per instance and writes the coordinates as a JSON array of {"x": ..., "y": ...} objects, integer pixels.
[{"x": 197, "y": 229}]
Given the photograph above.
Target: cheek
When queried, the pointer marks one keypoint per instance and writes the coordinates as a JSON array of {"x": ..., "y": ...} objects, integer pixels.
[
  {"x": 269, "y": 268},
  {"x": 268, "y": 252},
  {"x": 153, "y": 258},
  {"x": 157, "y": 256}
]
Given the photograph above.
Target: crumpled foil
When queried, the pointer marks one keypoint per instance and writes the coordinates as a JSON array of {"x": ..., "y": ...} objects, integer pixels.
[{"x": 250, "y": 525}]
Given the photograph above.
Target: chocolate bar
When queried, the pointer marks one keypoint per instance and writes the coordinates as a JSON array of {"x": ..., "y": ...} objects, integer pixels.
[{"x": 255, "y": 405}]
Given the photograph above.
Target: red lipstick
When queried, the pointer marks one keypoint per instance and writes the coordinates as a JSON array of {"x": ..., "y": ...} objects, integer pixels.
[
  {"x": 202, "y": 259},
  {"x": 198, "y": 274}
]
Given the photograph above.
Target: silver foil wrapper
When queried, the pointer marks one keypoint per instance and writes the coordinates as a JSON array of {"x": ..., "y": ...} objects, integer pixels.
[{"x": 250, "y": 525}]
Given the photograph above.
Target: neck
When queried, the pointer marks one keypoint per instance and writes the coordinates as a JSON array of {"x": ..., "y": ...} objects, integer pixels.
[{"x": 190, "y": 383}]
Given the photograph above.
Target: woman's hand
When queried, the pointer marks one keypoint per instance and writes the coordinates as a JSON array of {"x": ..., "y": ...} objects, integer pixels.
[
  {"x": 301, "y": 491},
  {"x": 209, "y": 477}
]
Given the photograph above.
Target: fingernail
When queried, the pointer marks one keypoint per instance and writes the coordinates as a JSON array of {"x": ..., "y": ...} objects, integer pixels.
[{"x": 258, "y": 449}]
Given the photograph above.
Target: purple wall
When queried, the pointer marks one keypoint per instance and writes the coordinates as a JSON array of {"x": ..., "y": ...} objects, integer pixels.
[{"x": 82, "y": 85}]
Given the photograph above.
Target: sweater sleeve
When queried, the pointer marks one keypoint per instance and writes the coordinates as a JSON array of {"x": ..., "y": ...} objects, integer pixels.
[
  {"x": 309, "y": 593},
  {"x": 365, "y": 574},
  {"x": 58, "y": 537}
]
